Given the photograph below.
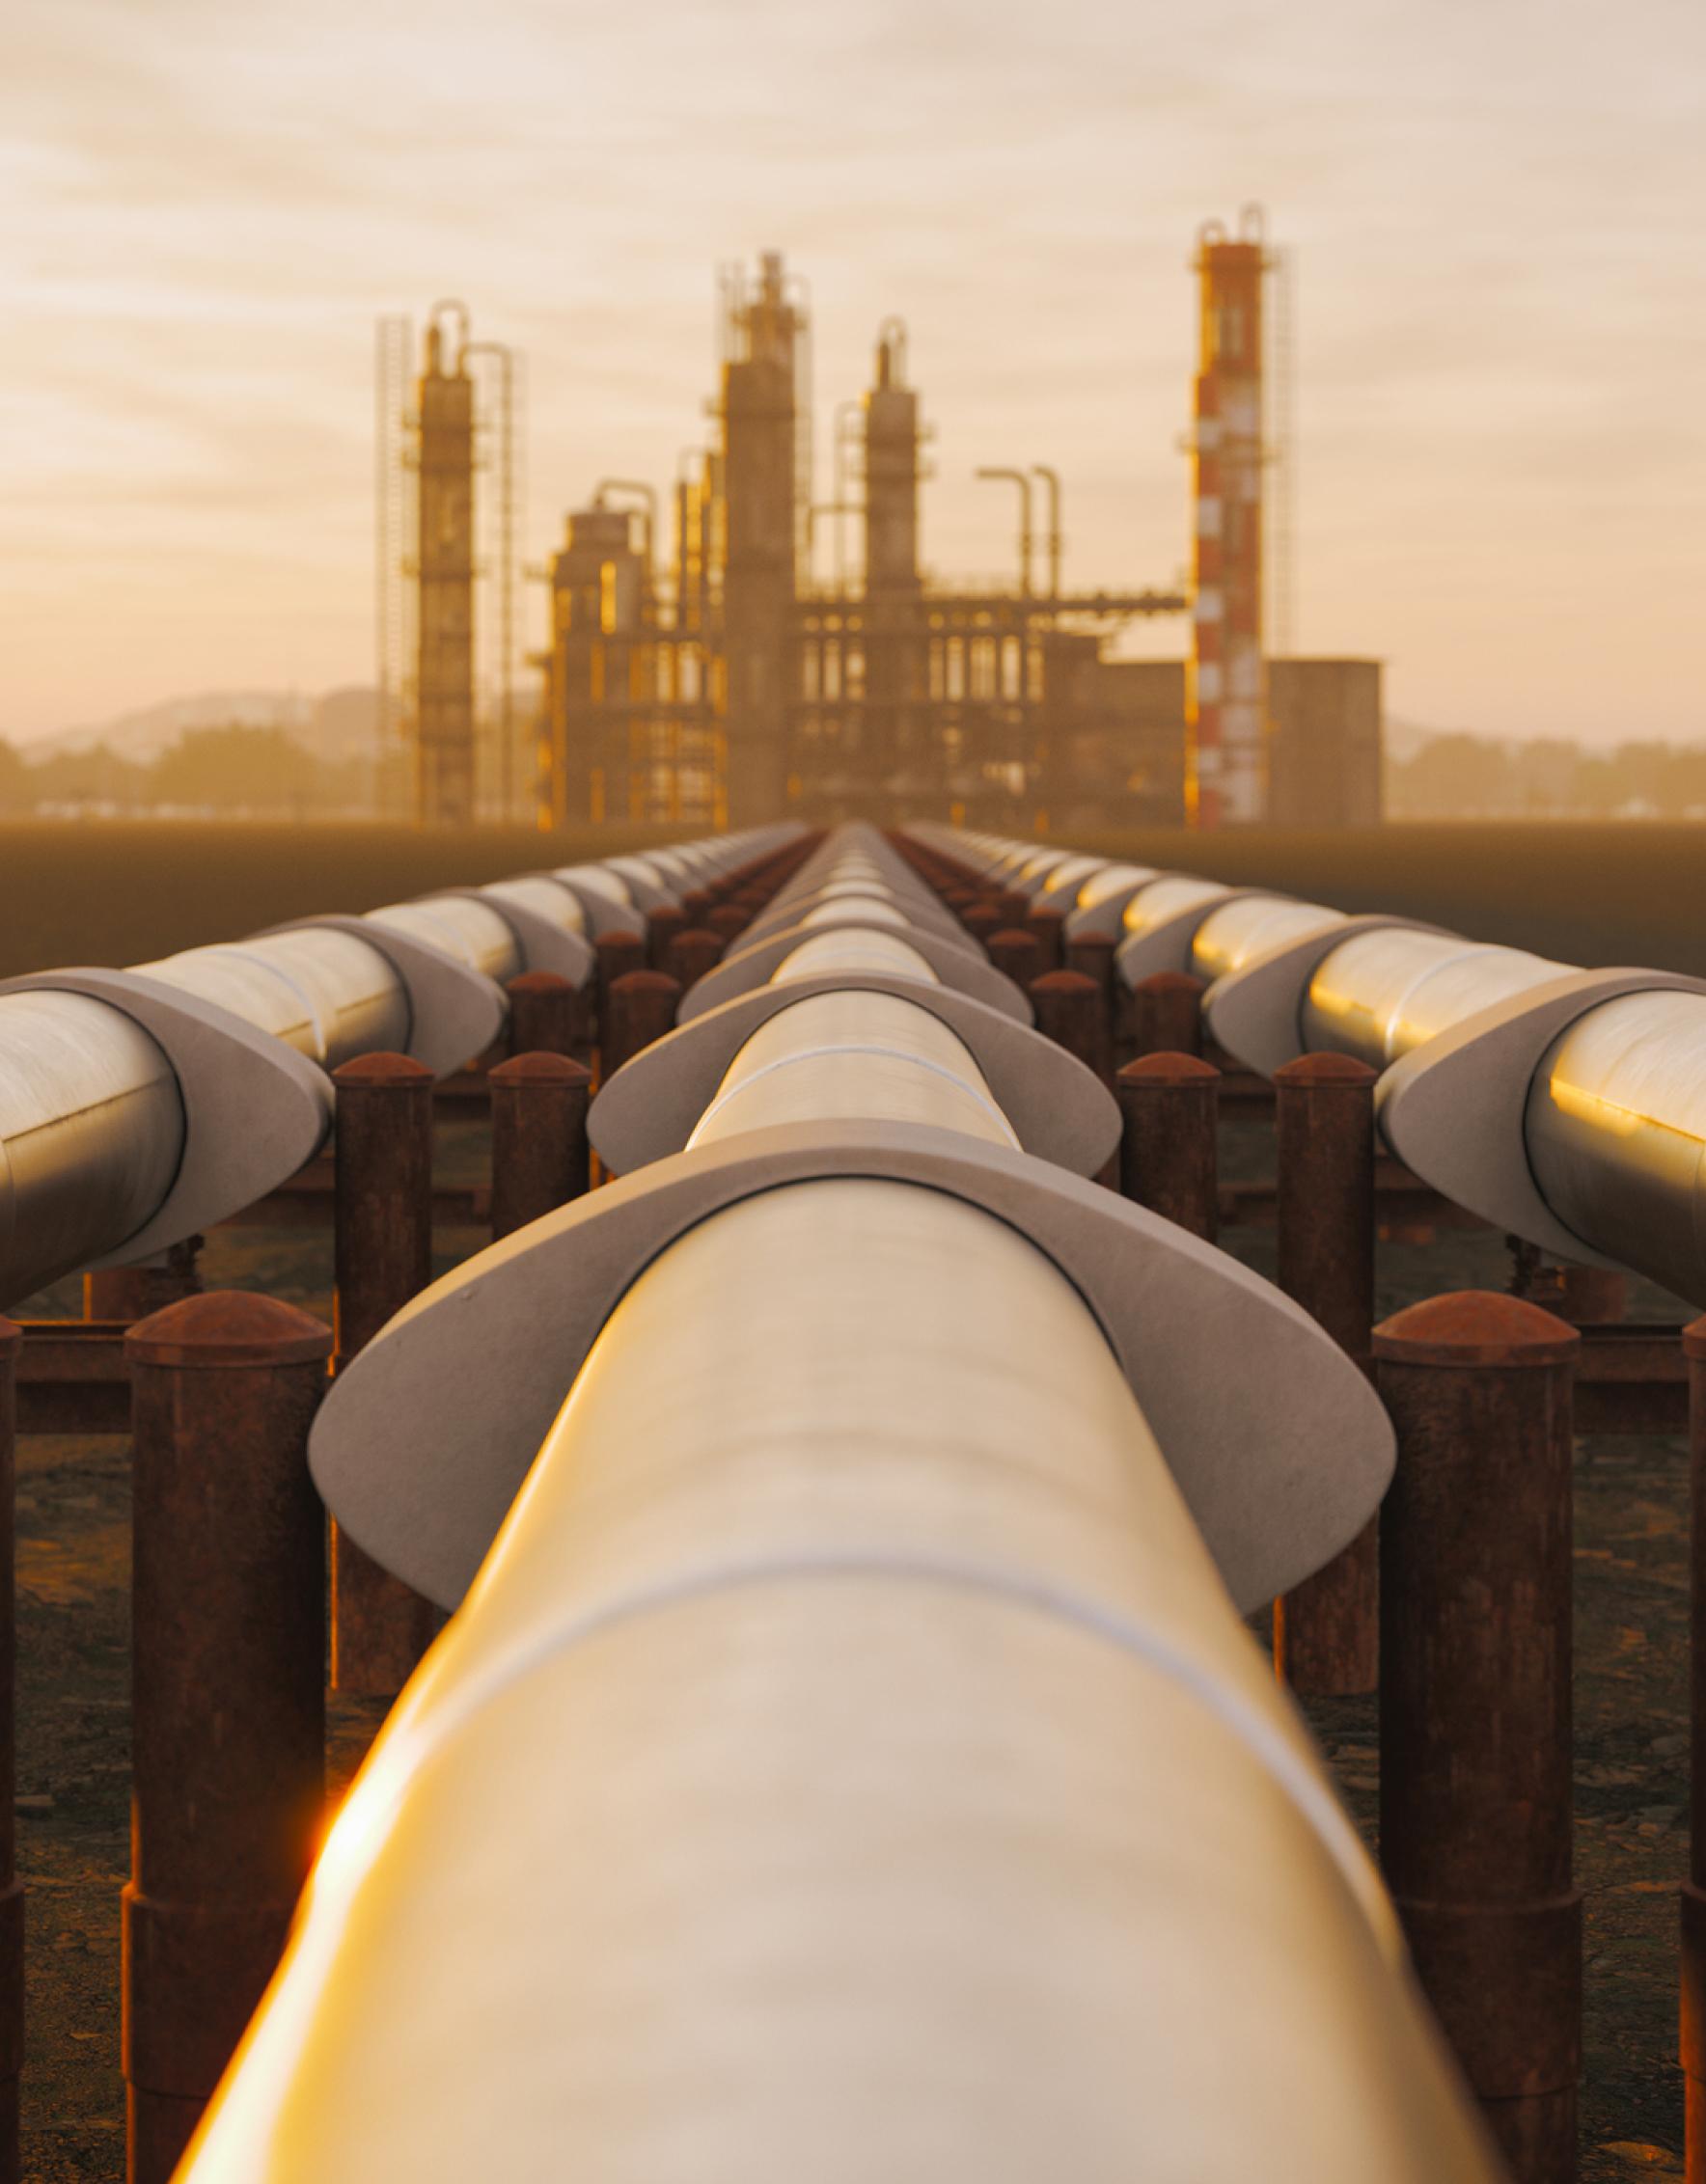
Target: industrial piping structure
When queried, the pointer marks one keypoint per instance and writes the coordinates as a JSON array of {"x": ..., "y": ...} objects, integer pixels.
[
  {"x": 139, "y": 1107},
  {"x": 1565, "y": 1107},
  {"x": 725, "y": 680},
  {"x": 841, "y": 1552},
  {"x": 429, "y": 522}
]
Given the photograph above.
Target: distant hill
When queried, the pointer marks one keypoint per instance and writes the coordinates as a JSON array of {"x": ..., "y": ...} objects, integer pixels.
[
  {"x": 144, "y": 735},
  {"x": 335, "y": 726}
]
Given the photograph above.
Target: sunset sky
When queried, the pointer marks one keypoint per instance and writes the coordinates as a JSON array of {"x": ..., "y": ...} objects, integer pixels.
[{"x": 1494, "y": 207}]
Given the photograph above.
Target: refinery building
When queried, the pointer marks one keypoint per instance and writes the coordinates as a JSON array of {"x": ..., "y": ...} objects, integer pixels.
[{"x": 736, "y": 651}]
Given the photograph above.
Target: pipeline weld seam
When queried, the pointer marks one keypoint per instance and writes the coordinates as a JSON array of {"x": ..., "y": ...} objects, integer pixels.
[
  {"x": 452, "y": 942},
  {"x": 1389, "y": 1031},
  {"x": 863, "y": 1046},
  {"x": 423, "y": 1735},
  {"x": 322, "y": 1043}
]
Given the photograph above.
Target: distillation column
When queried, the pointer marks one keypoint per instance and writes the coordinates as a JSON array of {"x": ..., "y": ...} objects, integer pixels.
[
  {"x": 444, "y": 733},
  {"x": 763, "y": 333},
  {"x": 1226, "y": 766},
  {"x": 892, "y": 658}
]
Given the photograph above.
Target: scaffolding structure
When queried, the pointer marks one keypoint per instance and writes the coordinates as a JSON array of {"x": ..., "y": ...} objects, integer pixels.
[
  {"x": 742, "y": 687},
  {"x": 450, "y": 726},
  {"x": 393, "y": 600}
]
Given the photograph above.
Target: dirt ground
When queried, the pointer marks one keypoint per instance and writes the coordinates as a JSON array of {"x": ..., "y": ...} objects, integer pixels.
[{"x": 1630, "y": 1757}]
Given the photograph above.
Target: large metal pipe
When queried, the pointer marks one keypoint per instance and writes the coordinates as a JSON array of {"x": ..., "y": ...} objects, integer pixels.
[
  {"x": 1003, "y": 1851},
  {"x": 1383, "y": 994},
  {"x": 325, "y": 992},
  {"x": 90, "y": 1133},
  {"x": 1567, "y": 1105},
  {"x": 852, "y": 1543},
  {"x": 97, "y": 1088},
  {"x": 1615, "y": 1133}
]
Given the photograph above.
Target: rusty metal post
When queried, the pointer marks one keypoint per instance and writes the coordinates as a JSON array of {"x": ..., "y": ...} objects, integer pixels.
[
  {"x": 12, "y": 1894},
  {"x": 1327, "y": 1633},
  {"x": 1593, "y": 1296},
  {"x": 1091, "y": 956},
  {"x": 1167, "y": 1013},
  {"x": 1169, "y": 1157},
  {"x": 1017, "y": 953},
  {"x": 382, "y": 1250},
  {"x": 1474, "y": 1702},
  {"x": 540, "y": 1155},
  {"x": 228, "y": 1608},
  {"x": 643, "y": 1007},
  {"x": 1068, "y": 1010},
  {"x": 544, "y": 1013},
  {"x": 1050, "y": 928},
  {"x": 729, "y": 922},
  {"x": 1692, "y": 2050},
  {"x": 618, "y": 954},
  {"x": 982, "y": 920},
  {"x": 692, "y": 955},
  {"x": 662, "y": 924},
  {"x": 132, "y": 1293}
]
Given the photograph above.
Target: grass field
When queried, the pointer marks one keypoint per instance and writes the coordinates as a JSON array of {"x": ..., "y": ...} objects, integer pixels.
[{"x": 124, "y": 891}]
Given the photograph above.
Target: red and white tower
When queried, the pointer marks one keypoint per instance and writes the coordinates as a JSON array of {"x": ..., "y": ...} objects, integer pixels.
[{"x": 1226, "y": 712}]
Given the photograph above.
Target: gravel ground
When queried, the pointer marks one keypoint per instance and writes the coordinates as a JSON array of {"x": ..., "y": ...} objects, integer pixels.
[{"x": 1630, "y": 1759}]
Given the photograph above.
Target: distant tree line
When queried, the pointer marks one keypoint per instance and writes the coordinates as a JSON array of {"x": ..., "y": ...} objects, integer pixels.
[
  {"x": 1465, "y": 776},
  {"x": 263, "y": 773}
]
